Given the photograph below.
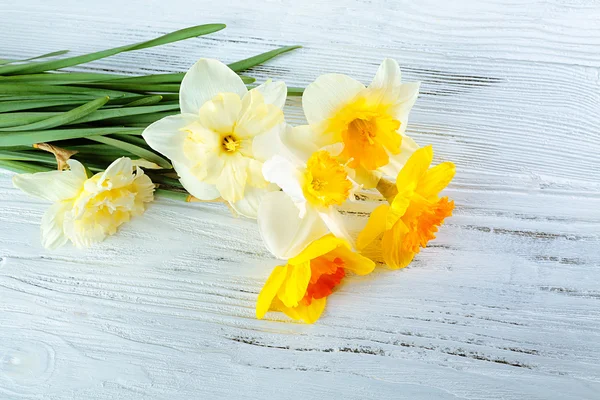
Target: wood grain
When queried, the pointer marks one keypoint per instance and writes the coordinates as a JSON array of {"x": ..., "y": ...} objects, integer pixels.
[{"x": 504, "y": 304}]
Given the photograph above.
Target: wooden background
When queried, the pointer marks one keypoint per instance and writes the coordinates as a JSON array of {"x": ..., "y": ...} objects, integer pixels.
[{"x": 504, "y": 304}]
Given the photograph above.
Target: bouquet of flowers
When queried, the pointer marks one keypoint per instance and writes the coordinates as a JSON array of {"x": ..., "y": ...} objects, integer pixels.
[{"x": 114, "y": 142}]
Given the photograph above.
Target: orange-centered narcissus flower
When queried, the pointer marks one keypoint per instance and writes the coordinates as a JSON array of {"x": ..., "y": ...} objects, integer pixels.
[
  {"x": 415, "y": 213},
  {"x": 300, "y": 288},
  {"x": 368, "y": 122}
]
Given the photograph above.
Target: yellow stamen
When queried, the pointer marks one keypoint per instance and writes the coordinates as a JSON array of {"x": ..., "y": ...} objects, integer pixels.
[
  {"x": 326, "y": 180},
  {"x": 230, "y": 144}
]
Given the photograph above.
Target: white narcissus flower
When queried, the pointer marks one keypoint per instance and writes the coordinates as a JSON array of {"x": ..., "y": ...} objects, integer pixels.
[
  {"x": 223, "y": 135},
  {"x": 306, "y": 210},
  {"x": 365, "y": 124},
  {"x": 85, "y": 210}
]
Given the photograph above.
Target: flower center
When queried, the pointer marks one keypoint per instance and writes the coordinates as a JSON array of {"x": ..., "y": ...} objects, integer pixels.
[
  {"x": 326, "y": 181},
  {"x": 363, "y": 130},
  {"x": 424, "y": 226},
  {"x": 326, "y": 274},
  {"x": 230, "y": 144}
]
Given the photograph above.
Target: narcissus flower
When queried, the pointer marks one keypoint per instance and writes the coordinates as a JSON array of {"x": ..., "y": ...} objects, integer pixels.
[
  {"x": 301, "y": 287},
  {"x": 85, "y": 210},
  {"x": 415, "y": 213},
  {"x": 369, "y": 122},
  {"x": 316, "y": 187},
  {"x": 224, "y": 134}
]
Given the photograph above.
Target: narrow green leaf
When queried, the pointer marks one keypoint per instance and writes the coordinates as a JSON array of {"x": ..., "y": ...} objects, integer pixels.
[
  {"x": 260, "y": 58},
  {"x": 182, "y": 34},
  {"x": 23, "y": 118},
  {"x": 26, "y": 88},
  {"x": 146, "y": 101},
  {"x": 51, "y": 135},
  {"x": 124, "y": 111},
  {"x": 138, "y": 151},
  {"x": 23, "y": 167},
  {"x": 138, "y": 120},
  {"x": 62, "y": 119},
  {"x": 295, "y": 91},
  {"x": 46, "y": 158},
  {"x": 176, "y": 77},
  {"x": 59, "y": 78},
  {"x": 8, "y": 106},
  {"x": 172, "y": 194},
  {"x": 53, "y": 54}
]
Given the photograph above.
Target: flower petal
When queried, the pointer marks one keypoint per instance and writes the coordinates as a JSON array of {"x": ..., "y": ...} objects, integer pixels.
[
  {"x": 53, "y": 186},
  {"x": 198, "y": 189},
  {"x": 234, "y": 176},
  {"x": 436, "y": 179},
  {"x": 284, "y": 233},
  {"x": 353, "y": 261},
  {"x": 53, "y": 235},
  {"x": 335, "y": 222},
  {"x": 256, "y": 117},
  {"x": 409, "y": 177},
  {"x": 269, "y": 144},
  {"x": 269, "y": 290},
  {"x": 287, "y": 176},
  {"x": 325, "y": 96},
  {"x": 295, "y": 284},
  {"x": 220, "y": 113},
  {"x": 375, "y": 227},
  {"x": 249, "y": 205},
  {"x": 273, "y": 92},
  {"x": 393, "y": 253},
  {"x": 302, "y": 141},
  {"x": 205, "y": 80},
  {"x": 167, "y": 136},
  {"x": 388, "y": 76},
  {"x": 397, "y": 161},
  {"x": 318, "y": 248},
  {"x": 406, "y": 96},
  {"x": 310, "y": 313}
]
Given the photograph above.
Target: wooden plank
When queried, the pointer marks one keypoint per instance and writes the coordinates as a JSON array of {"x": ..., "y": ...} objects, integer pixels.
[{"x": 504, "y": 304}]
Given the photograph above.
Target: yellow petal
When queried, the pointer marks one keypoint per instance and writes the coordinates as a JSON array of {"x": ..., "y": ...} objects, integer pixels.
[
  {"x": 393, "y": 253},
  {"x": 409, "y": 177},
  {"x": 221, "y": 112},
  {"x": 353, "y": 261},
  {"x": 375, "y": 227},
  {"x": 317, "y": 248},
  {"x": 269, "y": 290},
  {"x": 436, "y": 179},
  {"x": 309, "y": 313},
  {"x": 294, "y": 287}
]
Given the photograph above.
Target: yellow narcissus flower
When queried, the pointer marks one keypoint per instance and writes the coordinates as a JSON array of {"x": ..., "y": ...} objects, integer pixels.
[
  {"x": 366, "y": 123},
  {"x": 415, "y": 213},
  {"x": 300, "y": 288},
  {"x": 315, "y": 186},
  {"x": 85, "y": 210},
  {"x": 223, "y": 135}
]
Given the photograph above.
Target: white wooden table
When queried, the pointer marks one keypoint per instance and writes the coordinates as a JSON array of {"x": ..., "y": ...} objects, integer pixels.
[{"x": 504, "y": 304}]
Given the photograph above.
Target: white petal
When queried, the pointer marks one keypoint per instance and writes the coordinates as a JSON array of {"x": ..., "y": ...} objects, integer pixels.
[
  {"x": 234, "y": 176},
  {"x": 248, "y": 206},
  {"x": 53, "y": 235},
  {"x": 406, "y": 96},
  {"x": 205, "y": 80},
  {"x": 397, "y": 161},
  {"x": 257, "y": 117},
  {"x": 268, "y": 144},
  {"x": 273, "y": 92},
  {"x": 53, "y": 186},
  {"x": 388, "y": 75},
  {"x": 301, "y": 140},
  {"x": 168, "y": 137},
  {"x": 193, "y": 185},
  {"x": 286, "y": 175},
  {"x": 334, "y": 221},
  {"x": 327, "y": 94},
  {"x": 221, "y": 112},
  {"x": 286, "y": 234}
]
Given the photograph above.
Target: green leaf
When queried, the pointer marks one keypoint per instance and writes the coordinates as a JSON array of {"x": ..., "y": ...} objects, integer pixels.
[
  {"x": 23, "y": 167},
  {"x": 59, "y": 78},
  {"x": 260, "y": 58},
  {"x": 182, "y": 34},
  {"x": 28, "y": 89},
  {"x": 7, "y": 106},
  {"x": 295, "y": 91},
  {"x": 176, "y": 77},
  {"x": 46, "y": 158},
  {"x": 22, "y": 118},
  {"x": 124, "y": 112},
  {"x": 29, "y": 138},
  {"x": 62, "y": 119},
  {"x": 172, "y": 194},
  {"x": 137, "y": 150},
  {"x": 53, "y": 54},
  {"x": 146, "y": 101}
]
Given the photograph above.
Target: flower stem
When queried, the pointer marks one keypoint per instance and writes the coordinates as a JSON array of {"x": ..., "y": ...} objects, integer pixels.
[{"x": 387, "y": 189}]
